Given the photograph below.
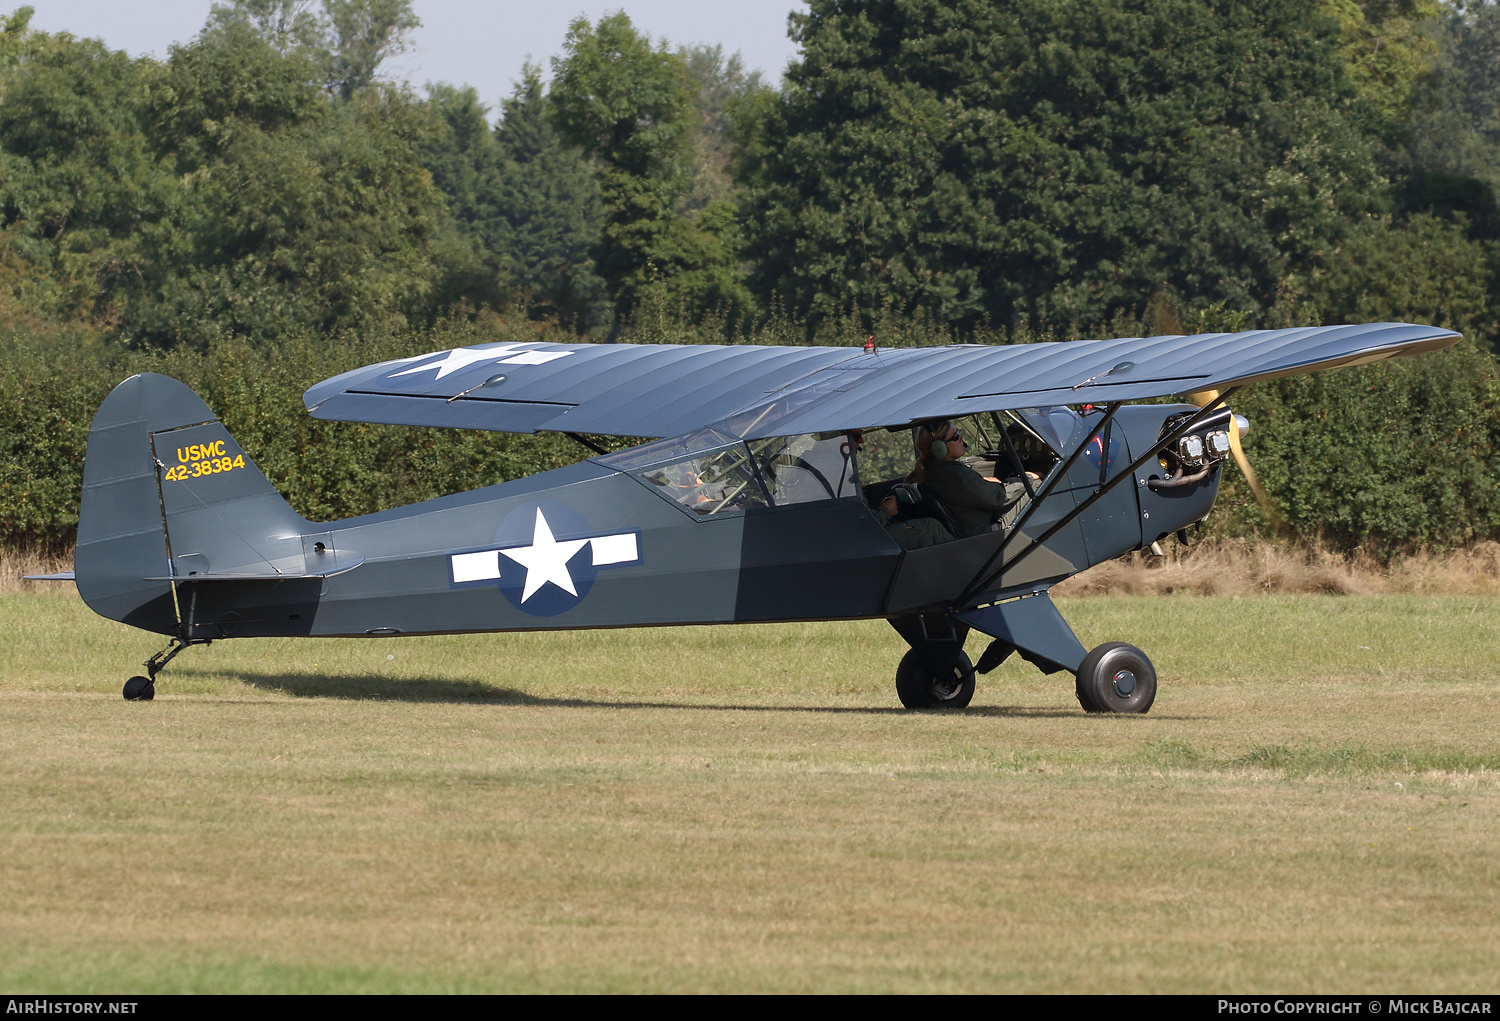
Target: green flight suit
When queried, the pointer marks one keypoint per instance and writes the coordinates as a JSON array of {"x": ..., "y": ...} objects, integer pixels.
[
  {"x": 973, "y": 501},
  {"x": 915, "y": 533}
]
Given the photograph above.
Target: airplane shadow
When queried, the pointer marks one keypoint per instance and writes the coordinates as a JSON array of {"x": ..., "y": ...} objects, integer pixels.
[{"x": 438, "y": 690}]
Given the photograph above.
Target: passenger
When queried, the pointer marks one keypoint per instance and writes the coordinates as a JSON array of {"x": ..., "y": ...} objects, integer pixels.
[
  {"x": 910, "y": 533},
  {"x": 975, "y": 502}
]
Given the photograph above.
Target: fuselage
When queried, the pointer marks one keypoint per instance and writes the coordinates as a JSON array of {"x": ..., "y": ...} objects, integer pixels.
[{"x": 607, "y": 542}]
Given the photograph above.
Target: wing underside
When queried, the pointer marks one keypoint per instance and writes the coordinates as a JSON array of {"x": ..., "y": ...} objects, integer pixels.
[{"x": 652, "y": 390}]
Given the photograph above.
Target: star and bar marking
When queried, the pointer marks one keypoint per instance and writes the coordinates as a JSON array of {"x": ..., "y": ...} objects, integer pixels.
[{"x": 546, "y": 559}]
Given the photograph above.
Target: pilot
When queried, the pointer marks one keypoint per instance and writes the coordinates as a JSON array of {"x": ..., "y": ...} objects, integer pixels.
[{"x": 975, "y": 502}]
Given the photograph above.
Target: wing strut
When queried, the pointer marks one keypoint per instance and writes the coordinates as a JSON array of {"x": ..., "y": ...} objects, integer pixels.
[
  {"x": 579, "y": 440},
  {"x": 1014, "y": 456},
  {"x": 1053, "y": 479},
  {"x": 975, "y": 587}
]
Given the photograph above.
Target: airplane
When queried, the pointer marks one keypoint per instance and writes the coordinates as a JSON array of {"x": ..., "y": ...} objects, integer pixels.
[{"x": 748, "y": 501}]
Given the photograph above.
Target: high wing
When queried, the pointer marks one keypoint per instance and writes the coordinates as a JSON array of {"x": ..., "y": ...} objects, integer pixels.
[{"x": 657, "y": 390}]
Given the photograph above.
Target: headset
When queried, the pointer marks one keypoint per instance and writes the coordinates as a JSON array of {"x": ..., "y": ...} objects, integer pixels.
[{"x": 937, "y": 449}]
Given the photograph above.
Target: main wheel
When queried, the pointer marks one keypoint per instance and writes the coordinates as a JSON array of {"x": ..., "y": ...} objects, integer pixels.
[
  {"x": 919, "y": 688},
  {"x": 139, "y": 689},
  {"x": 1116, "y": 678}
]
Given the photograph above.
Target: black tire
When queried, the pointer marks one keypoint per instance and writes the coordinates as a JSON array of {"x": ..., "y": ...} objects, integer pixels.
[
  {"x": 919, "y": 688},
  {"x": 139, "y": 689},
  {"x": 1116, "y": 678}
]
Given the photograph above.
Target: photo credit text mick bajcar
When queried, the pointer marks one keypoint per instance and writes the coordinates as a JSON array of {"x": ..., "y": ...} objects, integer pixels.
[{"x": 1383, "y": 1005}]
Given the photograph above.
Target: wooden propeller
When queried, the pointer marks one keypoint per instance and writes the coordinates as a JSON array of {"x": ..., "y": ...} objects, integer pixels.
[{"x": 1202, "y": 399}]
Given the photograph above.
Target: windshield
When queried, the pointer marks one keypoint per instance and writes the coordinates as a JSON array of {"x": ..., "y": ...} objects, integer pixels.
[{"x": 1061, "y": 428}]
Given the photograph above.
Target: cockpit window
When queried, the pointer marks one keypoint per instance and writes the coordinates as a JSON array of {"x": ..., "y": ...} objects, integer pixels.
[
  {"x": 663, "y": 451},
  {"x": 709, "y": 474},
  {"x": 802, "y": 469},
  {"x": 711, "y": 482},
  {"x": 1000, "y": 444}
]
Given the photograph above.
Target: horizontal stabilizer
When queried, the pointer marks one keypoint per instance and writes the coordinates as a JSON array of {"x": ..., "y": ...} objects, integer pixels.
[{"x": 59, "y": 576}]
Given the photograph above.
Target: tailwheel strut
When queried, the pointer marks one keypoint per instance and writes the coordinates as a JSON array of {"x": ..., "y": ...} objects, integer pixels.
[{"x": 143, "y": 689}]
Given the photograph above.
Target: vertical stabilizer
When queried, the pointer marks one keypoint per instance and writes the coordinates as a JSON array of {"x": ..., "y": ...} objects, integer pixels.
[{"x": 167, "y": 493}]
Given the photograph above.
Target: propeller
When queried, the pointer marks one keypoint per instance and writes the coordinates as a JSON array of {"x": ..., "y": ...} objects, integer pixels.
[{"x": 1203, "y": 398}]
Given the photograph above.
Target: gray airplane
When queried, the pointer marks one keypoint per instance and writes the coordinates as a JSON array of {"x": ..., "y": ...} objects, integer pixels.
[{"x": 755, "y": 502}]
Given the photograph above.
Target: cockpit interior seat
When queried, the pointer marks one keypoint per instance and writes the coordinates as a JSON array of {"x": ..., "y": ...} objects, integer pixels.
[{"x": 913, "y": 500}]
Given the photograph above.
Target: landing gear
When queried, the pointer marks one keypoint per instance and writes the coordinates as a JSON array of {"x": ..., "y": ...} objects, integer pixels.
[
  {"x": 920, "y": 687},
  {"x": 935, "y": 673},
  {"x": 1116, "y": 678},
  {"x": 143, "y": 689}
]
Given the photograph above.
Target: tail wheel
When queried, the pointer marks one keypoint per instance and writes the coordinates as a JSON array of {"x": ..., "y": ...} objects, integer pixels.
[
  {"x": 919, "y": 688},
  {"x": 1116, "y": 678},
  {"x": 139, "y": 689}
]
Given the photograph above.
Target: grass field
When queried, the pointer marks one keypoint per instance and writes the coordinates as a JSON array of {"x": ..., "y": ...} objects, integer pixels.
[{"x": 1313, "y": 805}]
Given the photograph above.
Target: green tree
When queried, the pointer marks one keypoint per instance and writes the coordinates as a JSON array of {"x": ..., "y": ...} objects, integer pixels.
[
  {"x": 1424, "y": 269},
  {"x": 1445, "y": 161},
  {"x": 1054, "y": 162},
  {"x": 464, "y": 157},
  {"x": 549, "y": 210},
  {"x": 78, "y": 180},
  {"x": 1455, "y": 124},
  {"x": 1387, "y": 458},
  {"x": 626, "y": 104},
  {"x": 524, "y": 204},
  {"x": 362, "y": 34},
  {"x": 287, "y": 25},
  {"x": 629, "y": 106},
  {"x": 347, "y": 39},
  {"x": 1388, "y": 47},
  {"x": 14, "y": 28},
  {"x": 721, "y": 89},
  {"x": 465, "y": 162},
  {"x": 220, "y": 193},
  {"x": 317, "y": 217}
]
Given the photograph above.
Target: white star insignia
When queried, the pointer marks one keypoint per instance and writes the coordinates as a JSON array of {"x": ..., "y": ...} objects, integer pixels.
[
  {"x": 458, "y": 358},
  {"x": 463, "y": 357},
  {"x": 545, "y": 559}
]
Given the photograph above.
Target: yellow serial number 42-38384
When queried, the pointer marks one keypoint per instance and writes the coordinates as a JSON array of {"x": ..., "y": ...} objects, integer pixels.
[{"x": 207, "y": 466}]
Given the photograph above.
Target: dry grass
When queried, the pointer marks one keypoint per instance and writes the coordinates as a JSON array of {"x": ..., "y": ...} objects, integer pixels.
[
  {"x": 1310, "y": 808},
  {"x": 16, "y": 564},
  {"x": 1242, "y": 568}
]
